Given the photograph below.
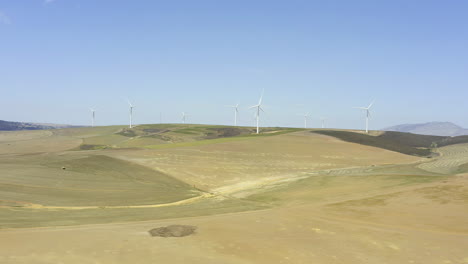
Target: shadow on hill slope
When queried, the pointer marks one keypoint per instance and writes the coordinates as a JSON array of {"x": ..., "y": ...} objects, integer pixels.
[{"x": 406, "y": 143}]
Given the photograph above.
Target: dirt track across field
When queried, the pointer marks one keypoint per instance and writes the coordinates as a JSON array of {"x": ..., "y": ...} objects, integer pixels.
[{"x": 291, "y": 198}]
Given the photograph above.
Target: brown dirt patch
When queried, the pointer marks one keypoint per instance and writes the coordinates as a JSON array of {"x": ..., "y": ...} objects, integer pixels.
[{"x": 173, "y": 231}]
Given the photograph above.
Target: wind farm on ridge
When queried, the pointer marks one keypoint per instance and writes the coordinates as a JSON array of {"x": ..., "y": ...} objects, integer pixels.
[
  {"x": 257, "y": 110},
  {"x": 226, "y": 189},
  {"x": 233, "y": 132}
]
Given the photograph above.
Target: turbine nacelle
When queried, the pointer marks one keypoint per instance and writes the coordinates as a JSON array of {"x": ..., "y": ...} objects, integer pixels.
[
  {"x": 93, "y": 111},
  {"x": 131, "y": 106},
  {"x": 236, "y": 107},
  {"x": 184, "y": 115},
  {"x": 259, "y": 107},
  {"x": 307, "y": 115},
  {"x": 323, "y": 119},
  {"x": 236, "y": 110},
  {"x": 368, "y": 115}
]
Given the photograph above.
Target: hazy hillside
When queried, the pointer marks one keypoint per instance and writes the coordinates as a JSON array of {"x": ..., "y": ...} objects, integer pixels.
[
  {"x": 11, "y": 126},
  {"x": 431, "y": 128}
]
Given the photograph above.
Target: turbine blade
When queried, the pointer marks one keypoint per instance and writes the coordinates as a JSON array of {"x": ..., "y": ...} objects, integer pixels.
[
  {"x": 261, "y": 97},
  {"x": 126, "y": 99},
  {"x": 253, "y": 106},
  {"x": 371, "y": 104}
]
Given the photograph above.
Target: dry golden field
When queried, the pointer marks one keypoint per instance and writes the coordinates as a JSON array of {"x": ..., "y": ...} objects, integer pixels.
[{"x": 90, "y": 195}]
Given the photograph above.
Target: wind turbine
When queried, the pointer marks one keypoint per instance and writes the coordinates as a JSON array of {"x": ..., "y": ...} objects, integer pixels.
[
  {"x": 305, "y": 119},
  {"x": 131, "y": 112},
  {"x": 236, "y": 110},
  {"x": 93, "y": 114},
  {"x": 323, "y": 119},
  {"x": 184, "y": 115},
  {"x": 367, "y": 109},
  {"x": 259, "y": 107}
]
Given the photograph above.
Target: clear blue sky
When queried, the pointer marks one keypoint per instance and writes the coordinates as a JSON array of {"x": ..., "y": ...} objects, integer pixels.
[{"x": 58, "y": 58}]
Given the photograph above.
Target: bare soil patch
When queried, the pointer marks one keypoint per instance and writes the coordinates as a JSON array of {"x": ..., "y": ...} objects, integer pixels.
[{"x": 173, "y": 231}]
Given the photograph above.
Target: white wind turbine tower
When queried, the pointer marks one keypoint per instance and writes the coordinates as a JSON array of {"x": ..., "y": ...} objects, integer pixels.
[
  {"x": 323, "y": 119},
  {"x": 93, "y": 114},
  {"x": 131, "y": 112},
  {"x": 259, "y": 107},
  {"x": 236, "y": 110},
  {"x": 305, "y": 119},
  {"x": 184, "y": 115},
  {"x": 367, "y": 109}
]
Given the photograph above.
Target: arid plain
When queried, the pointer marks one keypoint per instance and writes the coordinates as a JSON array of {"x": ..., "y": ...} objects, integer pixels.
[{"x": 90, "y": 195}]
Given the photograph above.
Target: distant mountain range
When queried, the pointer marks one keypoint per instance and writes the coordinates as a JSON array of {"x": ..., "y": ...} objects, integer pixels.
[
  {"x": 12, "y": 126},
  {"x": 431, "y": 128}
]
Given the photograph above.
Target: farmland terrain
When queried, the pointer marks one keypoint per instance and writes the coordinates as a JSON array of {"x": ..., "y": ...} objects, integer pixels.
[{"x": 90, "y": 195}]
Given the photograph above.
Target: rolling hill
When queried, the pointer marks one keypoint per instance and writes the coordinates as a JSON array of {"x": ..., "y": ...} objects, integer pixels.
[
  {"x": 91, "y": 194},
  {"x": 406, "y": 143},
  {"x": 13, "y": 126}
]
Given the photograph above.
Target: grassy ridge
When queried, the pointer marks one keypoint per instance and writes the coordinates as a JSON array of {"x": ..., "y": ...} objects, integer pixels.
[
  {"x": 452, "y": 141},
  {"x": 423, "y": 141},
  {"x": 174, "y": 135},
  {"x": 93, "y": 181},
  {"x": 221, "y": 139},
  {"x": 406, "y": 143}
]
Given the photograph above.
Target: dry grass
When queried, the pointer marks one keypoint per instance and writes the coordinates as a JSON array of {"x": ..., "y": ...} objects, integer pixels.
[
  {"x": 282, "y": 198},
  {"x": 451, "y": 158},
  {"x": 210, "y": 166}
]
